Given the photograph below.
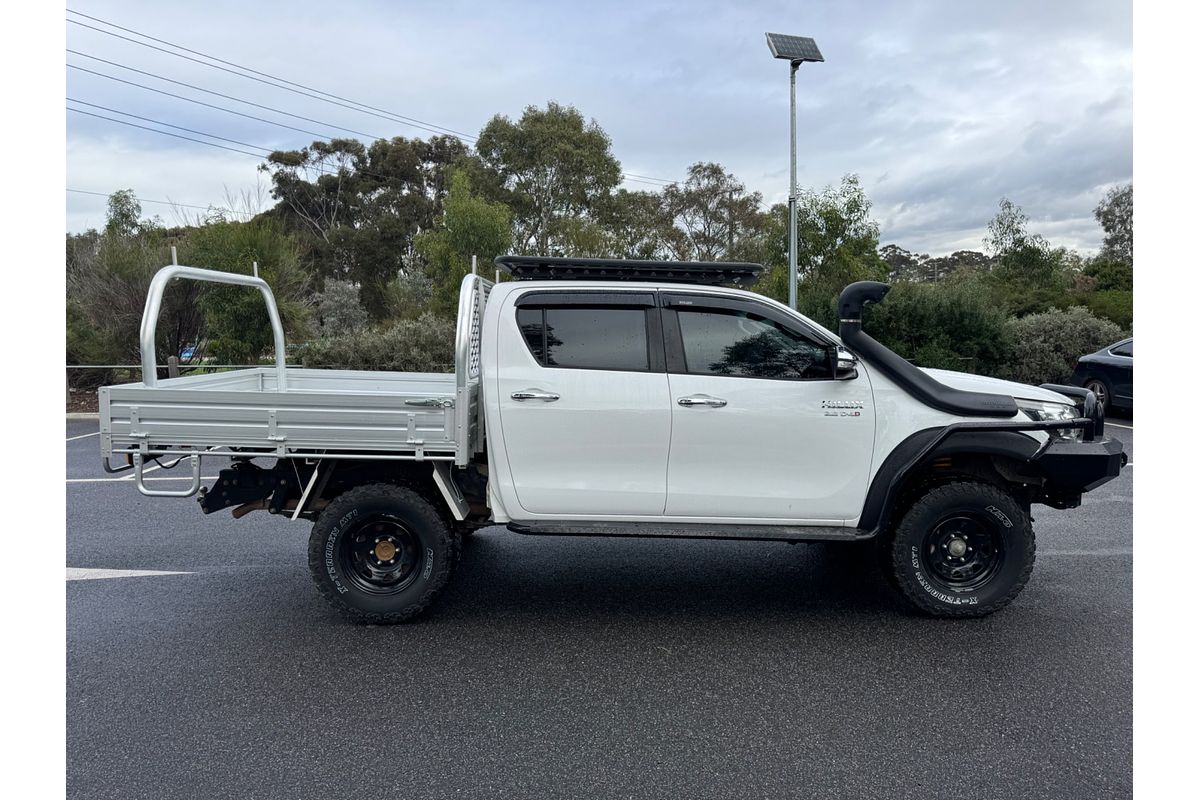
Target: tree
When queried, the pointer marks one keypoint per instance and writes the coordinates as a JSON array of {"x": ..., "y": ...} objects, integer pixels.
[
  {"x": 1029, "y": 275},
  {"x": 549, "y": 168},
  {"x": 470, "y": 226},
  {"x": 359, "y": 208},
  {"x": 236, "y": 327},
  {"x": 339, "y": 310},
  {"x": 124, "y": 213},
  {"x": 837, "y": 243},
  {"x": 712, "y": 213},
  {"x": 636, "y": 224},
  {"x": 1115, "y": 215}
]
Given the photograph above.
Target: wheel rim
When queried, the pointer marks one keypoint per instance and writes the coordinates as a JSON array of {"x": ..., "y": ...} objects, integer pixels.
[
  {"x": 1098, "y": 389},
  {"x": 963, "y": 552},
  {"x": 380, "y": 555}
]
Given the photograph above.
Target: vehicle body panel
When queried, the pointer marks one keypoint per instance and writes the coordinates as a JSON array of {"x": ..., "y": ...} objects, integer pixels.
[{"x": 1112, "y": 366}]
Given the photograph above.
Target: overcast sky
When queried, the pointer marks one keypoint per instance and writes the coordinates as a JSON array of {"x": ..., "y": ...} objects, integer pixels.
[{"x": 941, "y": 106}]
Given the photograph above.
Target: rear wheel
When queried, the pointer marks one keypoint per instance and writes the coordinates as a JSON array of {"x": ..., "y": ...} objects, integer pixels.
[
  {"x": 381, "y": 554},
  {"x": 962, "y": 550}
]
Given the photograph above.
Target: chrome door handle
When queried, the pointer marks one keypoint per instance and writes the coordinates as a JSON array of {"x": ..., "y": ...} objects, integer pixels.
[
  {"x": 702, "y": 400},
  {"x": 535, "y": 394}
]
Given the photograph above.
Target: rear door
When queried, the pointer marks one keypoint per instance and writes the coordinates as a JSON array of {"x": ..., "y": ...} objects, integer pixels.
[
  {"x": 760, "y": 429},
  {"x": 1120, "y": 367},
  {"x": 584, "y": 402}
]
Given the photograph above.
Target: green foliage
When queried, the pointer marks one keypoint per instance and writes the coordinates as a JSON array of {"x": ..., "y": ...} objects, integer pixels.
[
  {"x": 1115, "y": 215},
  {"x": 408, "y": 295},
  {"x": 470, "y": 226},
  {"x": 1115, "y": 305},
  {"x": 1110, "y": 275},
  {"x": 550, "y": 167},
  {"x": 425, "y": 344},
  {"x": 1029, "y": 275},
  {"x": 953, "y": 325},
  {"x": 1045, "y": 346},
  {"x": 236, "y": 325},
  {"x": 339, "y": 310}
]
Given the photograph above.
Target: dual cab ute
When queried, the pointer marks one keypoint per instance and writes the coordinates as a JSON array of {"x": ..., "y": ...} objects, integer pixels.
[{"x": 625, "y": 398}]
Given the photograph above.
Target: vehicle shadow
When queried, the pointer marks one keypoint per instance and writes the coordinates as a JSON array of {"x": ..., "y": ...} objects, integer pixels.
[{"x": 504, "y": 575}]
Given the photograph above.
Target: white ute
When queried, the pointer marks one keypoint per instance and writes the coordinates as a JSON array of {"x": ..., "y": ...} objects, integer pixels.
[{"x": 624, "y": 398}]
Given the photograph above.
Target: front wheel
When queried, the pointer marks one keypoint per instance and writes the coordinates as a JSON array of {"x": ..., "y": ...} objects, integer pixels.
[
  {"x": 964, "y": 549},
  {"x": 1103, "y": 395},
  {"x": 380, "y": 554}
]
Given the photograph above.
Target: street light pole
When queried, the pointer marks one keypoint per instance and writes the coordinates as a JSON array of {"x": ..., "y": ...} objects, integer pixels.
[
  {"x": 796, "y": 50},
  {"x": 792, "y": 277}
]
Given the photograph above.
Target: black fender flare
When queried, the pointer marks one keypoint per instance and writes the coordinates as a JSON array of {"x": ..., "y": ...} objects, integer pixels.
[{"x": 923, "y": 447}]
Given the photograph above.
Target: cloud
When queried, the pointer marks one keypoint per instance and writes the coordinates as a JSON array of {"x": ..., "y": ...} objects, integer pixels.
[{"x": 942, "y": 107}]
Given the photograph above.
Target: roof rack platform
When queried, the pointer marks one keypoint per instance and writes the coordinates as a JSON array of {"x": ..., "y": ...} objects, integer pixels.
[{"x": 553, "y": 268}]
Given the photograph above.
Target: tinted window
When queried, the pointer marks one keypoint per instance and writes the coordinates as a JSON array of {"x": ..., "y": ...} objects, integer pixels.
[
  {"x": 1124, "y": 350},
  {"x": 739, "y": 343},
  {"x": 587, "y": 337}
]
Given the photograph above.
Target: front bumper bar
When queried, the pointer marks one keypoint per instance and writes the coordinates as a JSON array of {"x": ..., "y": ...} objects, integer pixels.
[{"x": 1076, "y": 467}]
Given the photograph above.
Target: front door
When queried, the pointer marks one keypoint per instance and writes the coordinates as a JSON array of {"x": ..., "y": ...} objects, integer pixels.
[
  {"x": 760, "y": 428},
  {"x": 584, "y": 403}
]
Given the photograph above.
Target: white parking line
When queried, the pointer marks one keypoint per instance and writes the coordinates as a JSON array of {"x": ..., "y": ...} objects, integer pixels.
[
  {"x": 1115, "y": 425},
  {"x": 83, "y": 436},
  {"x": 82, "y": 574}
]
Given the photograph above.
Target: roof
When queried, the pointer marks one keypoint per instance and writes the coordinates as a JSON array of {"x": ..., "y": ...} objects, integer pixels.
[{"x": 707, "y": 273}]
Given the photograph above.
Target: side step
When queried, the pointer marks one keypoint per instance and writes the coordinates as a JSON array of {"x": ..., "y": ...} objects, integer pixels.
[{"x": 678, "y": 530}]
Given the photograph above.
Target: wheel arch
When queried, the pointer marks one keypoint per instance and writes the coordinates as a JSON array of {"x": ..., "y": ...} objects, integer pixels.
[{"x": 931, "y": 457}]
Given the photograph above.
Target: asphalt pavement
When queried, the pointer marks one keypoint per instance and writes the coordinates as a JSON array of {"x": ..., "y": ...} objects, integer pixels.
[{"x": 582, "y": 667}]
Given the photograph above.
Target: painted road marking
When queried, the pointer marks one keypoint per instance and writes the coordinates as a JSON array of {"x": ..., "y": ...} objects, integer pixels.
[
  {"x": 1115, "y": 425},
  {"x": 83, "y": 436},
  {"x": 80, "y": 574}
]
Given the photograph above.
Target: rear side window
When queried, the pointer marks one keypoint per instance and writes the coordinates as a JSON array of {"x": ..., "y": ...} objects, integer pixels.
[
  {"x": 743, "y": 344},
  {"x": 587, "y": 337},
  {"x": 1124, "y": 349}
]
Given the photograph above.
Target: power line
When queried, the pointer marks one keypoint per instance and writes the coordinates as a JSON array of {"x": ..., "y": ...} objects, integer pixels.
[
  {"x": 409, "y": 121},
  {"x": 167, "y": 203},
  {"x": 268, "y": 150},
  {"x": 209, "y": 91},
  {"x": 200, "y": 102},
  {"x": 169, "y": 125},
  {"x": 356, "y": 105}
]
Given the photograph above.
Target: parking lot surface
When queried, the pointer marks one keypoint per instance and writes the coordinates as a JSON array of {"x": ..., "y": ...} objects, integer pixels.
[{"x": 582, "y": 667}]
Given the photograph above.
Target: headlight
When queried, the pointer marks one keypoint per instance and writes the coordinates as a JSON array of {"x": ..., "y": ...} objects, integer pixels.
[{"x": 1052, "y": 412}]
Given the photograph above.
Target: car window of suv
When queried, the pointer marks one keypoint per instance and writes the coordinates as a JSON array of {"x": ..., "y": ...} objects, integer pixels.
[
  {"x": 1123, "y": 350},
  {"x": 587, "y": 337},
  {"x": 743, "y": 344}
]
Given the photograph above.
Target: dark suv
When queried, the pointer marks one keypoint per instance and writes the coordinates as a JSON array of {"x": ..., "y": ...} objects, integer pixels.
[{"x": 1109, "y": 374}]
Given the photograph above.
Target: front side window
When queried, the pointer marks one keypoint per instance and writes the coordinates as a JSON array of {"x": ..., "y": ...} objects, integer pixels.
[
  {"x": 744, "y": 344},
  {"x": 587, "y": 337}
]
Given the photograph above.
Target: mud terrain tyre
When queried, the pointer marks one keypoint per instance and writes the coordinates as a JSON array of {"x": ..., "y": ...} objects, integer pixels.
[
  {"x": 380, "y": 554},
  {"x": 964, "y": 549}
]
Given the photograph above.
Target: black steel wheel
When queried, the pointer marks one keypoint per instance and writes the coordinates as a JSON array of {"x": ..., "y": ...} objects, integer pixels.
[
  {"x": 380, "y": 554},
  {"x": 964, "y": 549}
]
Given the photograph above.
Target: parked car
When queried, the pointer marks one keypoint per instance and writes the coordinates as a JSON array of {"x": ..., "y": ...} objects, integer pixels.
[
  {"x": 1108, "y": 373},
  {"x": 625, "y": 398}
]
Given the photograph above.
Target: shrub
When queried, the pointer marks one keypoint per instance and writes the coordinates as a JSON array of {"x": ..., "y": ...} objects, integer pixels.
[
  {"x": 416, "y": 345},
  {"x": 1044, "y": 347},
  {"x": 339, "y": 309},
  {"x": 954, "y": 324}
]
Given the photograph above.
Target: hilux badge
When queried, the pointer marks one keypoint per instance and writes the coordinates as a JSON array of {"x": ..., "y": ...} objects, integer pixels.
[{"x": 842, "y": 408}]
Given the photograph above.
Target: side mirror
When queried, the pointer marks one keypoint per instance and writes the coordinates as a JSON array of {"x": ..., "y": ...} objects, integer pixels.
[{"x": 845, "y": 364}]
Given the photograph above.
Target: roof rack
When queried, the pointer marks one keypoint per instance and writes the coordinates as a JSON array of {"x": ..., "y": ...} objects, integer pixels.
[{"x": 552, "y": 268}]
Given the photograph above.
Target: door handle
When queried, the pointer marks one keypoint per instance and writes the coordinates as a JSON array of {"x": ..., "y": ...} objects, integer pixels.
[
  {"x": 535, "y": 394},
  {"x": 702, "y": 400}
]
